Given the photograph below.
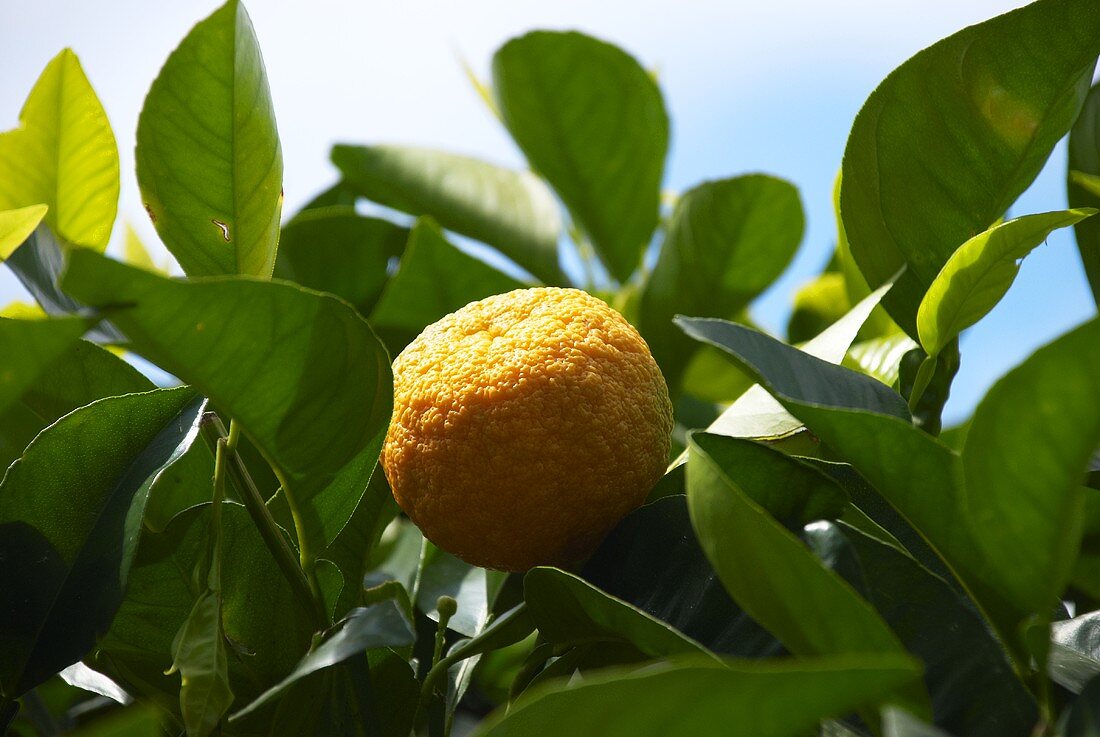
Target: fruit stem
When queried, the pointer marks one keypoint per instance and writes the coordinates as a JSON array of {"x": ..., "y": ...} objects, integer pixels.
[{"x": 306, "y": 557}]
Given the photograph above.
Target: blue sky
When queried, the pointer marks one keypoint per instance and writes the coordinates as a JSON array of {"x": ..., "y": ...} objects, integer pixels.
[{"x": 751, "y": 86}]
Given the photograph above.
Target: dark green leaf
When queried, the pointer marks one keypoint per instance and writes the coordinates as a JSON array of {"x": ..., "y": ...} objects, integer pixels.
[
  {"x": 727, "y": 242},
  {"x": 954, "y": 135},
  {"x": 778, "y": 699},
  {"x": 1082, "y": 718},
  {"x": 137, "y": 721},
  {"x": 766, "y": 568},
  {"x": 1084, "y": 157},
  {"x": 653, "y": 561},
  {"x": 382, "y": 625},
  {"x": 70, "y": 513},
  {"x": 258, "y": 609},
  {"x": 974, "y": 689},
  {"x": 566, "y": 609},
  {"x": 433, "y": 280},
  {"x": 81, "y": 375},
  {"x": 337, "y": 251},
  {"x": 979, "y": 273},
  {"x": 591, "y": 121},
  {"x": 512, "y": 211},
  {"x": 979, "y": 534},
  {"x": 302, "y": 372},
  {"x": 30, "y": 347},
  {"x": 757, "y": 414},
  {"x": 208, "y": 158}
]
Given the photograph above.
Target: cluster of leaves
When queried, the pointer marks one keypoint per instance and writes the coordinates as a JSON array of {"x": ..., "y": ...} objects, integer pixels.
[{"x": 819, "y": 557}]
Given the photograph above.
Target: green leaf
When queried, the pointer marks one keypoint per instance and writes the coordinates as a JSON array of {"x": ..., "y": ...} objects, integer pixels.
[
  {"x": 732, "y": 483},
  {"x": 880, "y": 358},
  {"x": 352, "y": 548},
  {"x": 38, "y": 264},
  {"x": 17, "y": 225},
  {"x": 1029, "y": 442},
  {"x": 302, "y": 372},
  {"x": 591, "y": 121},
  {"x": 980, "y": 272},
  {"x": 653, "y": 561},
  {"x": 136, "y": 721},
  {"x": 1083, "y": 185},
  {"x": 566, "y": 609},
  {"x": 817, "y": 305},
  {"x": 84, "y": 373},
  {"x": 1075, "y": 651},
  {"x": 199, "y": 654},
  {"x": 30, "y": 347},
  {"x": 757, "y": 414},
  {"x": 382, "y": 625},
  {"x": 433, "y": 280},
  {"x": 63, "y": 154},
  {"x": 769, "y": 699},
  {"x": 728, "y": 240},
  {"x": 70, "y": 513},
  {"x": 973, "y": 688},
  {"x": 954, "y": 135},
  {"x": 337, "y": 251},
  {"x": 209, "y": 163},
  {"x": 1027, "y": 477},
  {"x": 473, "y": 588},
  {"x": 513, "y": 211},
  {"x": 1082, "y": 718}
]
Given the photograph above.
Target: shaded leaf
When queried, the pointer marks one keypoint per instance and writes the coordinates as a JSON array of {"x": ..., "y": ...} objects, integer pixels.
[
  {"x": 757, "y": 414},
  {"x": 70, "y": 510},
  {"x": 1082, "y": 187},
  {"x": 566, "y": 609},
  {"x": 335, "y": 250},
  {"x": 512, "y": 211},
  {"x": 653, "y": 561},
  {"x": 474, "y": 589},
  {"x": 382, "y": 625},
  {"x": 302, "y": 372},
  {"x": 63, "y": 154},
  {"x": 209, "y": 163},
  {"x": 30, "y": 347},
  {"x": 778, "y": 699},
  {"x": 1082, "y": 718},
  {"x": 591, "y": 121},
  {"x": 199, "y": 654},
  {"x": 765, "y": 567},
  {"x": 974, "y": 690},
  {"x": 963, "y": 127}
]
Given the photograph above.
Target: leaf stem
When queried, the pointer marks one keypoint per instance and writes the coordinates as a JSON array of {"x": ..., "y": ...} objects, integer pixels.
[
  {"x": 306, "y": 557},
  {"x": 924, "y": 376},
  {"x": 268, "y": 528}
]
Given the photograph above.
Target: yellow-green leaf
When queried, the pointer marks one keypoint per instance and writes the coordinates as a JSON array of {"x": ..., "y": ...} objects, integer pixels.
[
  {"x": 17, "y": 225},
  {"x": 977, "y": 275},
  {"x": 63, "y": 154}
]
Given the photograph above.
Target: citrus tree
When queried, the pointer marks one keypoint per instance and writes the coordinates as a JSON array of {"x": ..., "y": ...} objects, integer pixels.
[{"x": 382, "y": 487}]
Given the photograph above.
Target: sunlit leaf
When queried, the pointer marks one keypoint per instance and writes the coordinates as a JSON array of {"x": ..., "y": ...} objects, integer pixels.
[
  {"x": 63, "y": 154},
  {"x": 208, "y": 158},
  {"x": 591, "y": 121},
  {"x": 950, "y": 139}
]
